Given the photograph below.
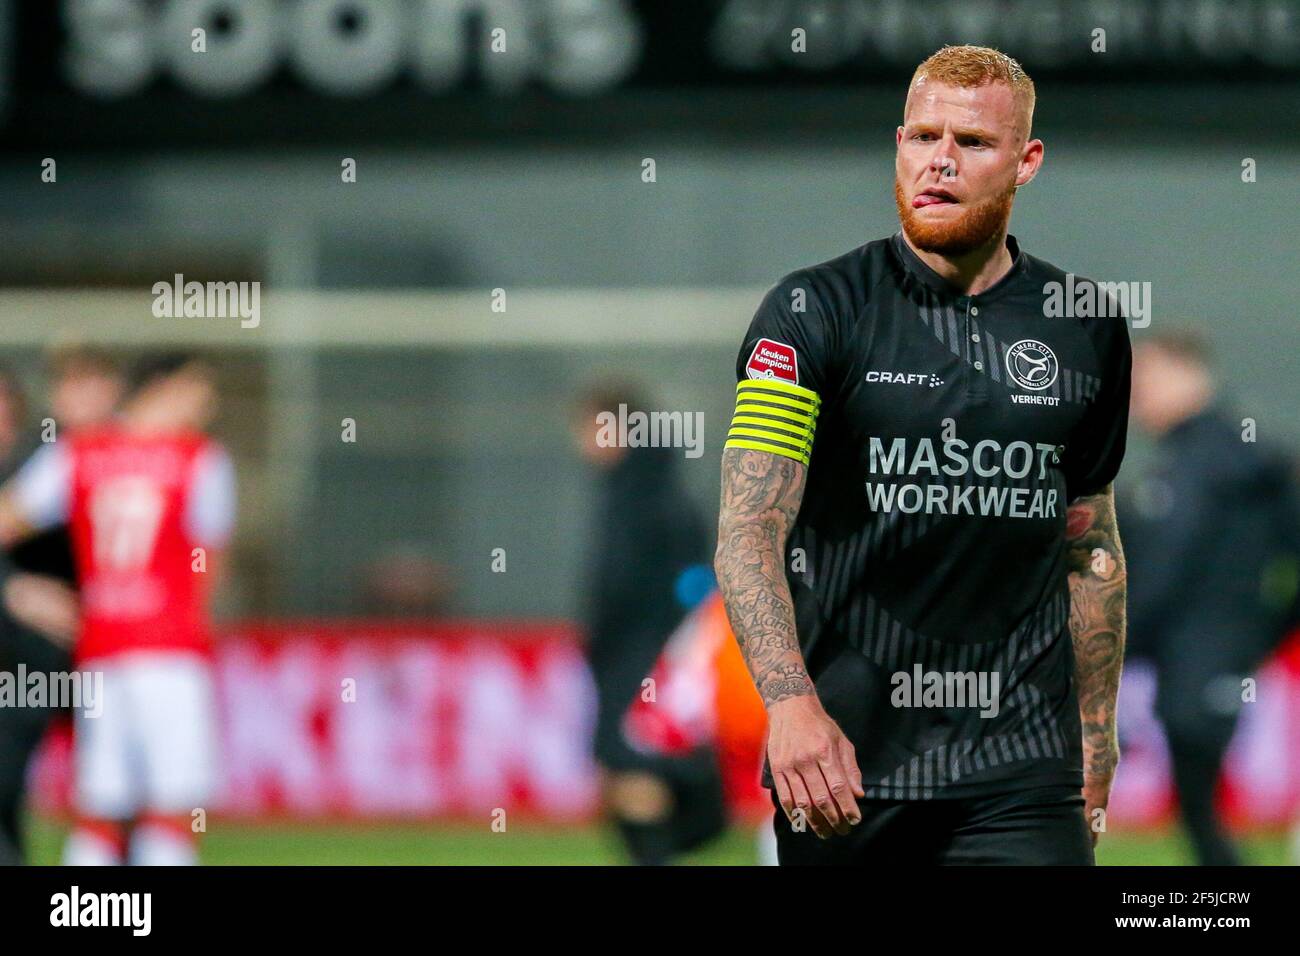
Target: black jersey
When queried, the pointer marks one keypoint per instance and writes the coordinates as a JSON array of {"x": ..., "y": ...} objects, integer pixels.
[{"x": 944, "y": 436}]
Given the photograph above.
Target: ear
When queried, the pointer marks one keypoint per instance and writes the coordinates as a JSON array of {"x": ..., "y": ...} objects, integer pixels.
[{"x": 1031, "y": 160}]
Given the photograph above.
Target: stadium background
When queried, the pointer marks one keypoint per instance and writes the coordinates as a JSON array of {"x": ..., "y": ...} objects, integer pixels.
[{"x": 522, "y": 172}]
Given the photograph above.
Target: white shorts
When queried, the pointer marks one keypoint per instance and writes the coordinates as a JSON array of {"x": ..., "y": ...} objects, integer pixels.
[{"x": 153, "y": 747}]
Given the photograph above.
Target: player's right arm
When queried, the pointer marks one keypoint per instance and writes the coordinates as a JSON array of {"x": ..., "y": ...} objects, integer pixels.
[
  {"x": 36, "y": 498},
  {"x": 813, "y": 764},
  {"x": 33, "y": 500}
]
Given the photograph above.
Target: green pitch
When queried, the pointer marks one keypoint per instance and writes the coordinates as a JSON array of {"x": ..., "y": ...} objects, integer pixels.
[{"x": 531, "y": 843}]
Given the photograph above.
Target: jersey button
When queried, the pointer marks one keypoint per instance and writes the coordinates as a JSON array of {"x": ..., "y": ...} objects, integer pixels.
[
  {"x": 974, "y": 310},
  {"x": 979, "y": 366},
  {"x": 975, "y": 337}
]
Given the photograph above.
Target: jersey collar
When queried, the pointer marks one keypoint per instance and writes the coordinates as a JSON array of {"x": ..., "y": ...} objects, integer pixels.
[{"x": 917, "y": 271}]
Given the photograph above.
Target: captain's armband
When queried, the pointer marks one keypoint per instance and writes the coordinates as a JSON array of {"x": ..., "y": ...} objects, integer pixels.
[{"x": 774, "y": 416}]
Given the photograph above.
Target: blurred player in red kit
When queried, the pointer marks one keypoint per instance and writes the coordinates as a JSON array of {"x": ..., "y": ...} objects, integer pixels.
[{"x": 150, "y": 502}]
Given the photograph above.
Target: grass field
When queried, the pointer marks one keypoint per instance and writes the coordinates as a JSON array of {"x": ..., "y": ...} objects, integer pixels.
[{"x": 530, "y": 844}]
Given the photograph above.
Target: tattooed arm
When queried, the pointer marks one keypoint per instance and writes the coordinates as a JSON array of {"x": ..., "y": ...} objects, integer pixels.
[
  {"x": 761, "y": 493},
  {"x": 1098, "y": 587},
  {"x": 813, "y": 763}
]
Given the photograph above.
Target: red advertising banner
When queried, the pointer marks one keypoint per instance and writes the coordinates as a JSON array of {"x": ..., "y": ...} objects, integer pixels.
[{"x": 363, "y": 720}]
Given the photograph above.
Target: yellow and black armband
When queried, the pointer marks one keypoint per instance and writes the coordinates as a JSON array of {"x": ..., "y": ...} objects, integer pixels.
[{"x": 774, "y": 416}]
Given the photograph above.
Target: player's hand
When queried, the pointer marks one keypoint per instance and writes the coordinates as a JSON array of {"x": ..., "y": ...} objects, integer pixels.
[
  {"x": 1096, "y": 794},
  {"x": 44, "y": 604},
  {"x": 813, "y": 766}
]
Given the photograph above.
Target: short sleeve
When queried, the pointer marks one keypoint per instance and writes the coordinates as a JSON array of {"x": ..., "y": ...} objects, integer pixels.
[
  {"x": 782, "y": 370},
  {"x": 210, "y": 514},
  {"x": 43, "y": 487},
  {"x": 787, "y": 340},
  {"x": 1093, "y": 456}
]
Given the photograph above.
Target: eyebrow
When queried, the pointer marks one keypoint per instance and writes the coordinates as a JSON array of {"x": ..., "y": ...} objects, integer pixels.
[{"x": 929, "y": 127}]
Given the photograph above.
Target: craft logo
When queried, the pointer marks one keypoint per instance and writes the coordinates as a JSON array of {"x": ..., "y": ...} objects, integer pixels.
[{"x": 904, "y": 378}]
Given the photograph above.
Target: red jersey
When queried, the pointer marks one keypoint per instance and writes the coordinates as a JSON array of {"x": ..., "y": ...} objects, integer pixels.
[{"x": 136, "y": 565}]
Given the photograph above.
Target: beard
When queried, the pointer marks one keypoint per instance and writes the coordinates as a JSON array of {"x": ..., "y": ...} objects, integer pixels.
[{"x": 974, "y": 228}]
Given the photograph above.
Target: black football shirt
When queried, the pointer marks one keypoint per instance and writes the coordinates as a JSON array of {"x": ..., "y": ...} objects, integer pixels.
[{"x": 944, "y": 436}]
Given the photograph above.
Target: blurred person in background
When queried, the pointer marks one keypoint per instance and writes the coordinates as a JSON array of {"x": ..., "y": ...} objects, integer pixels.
[
  {"x": 150, "y": 500},
  {"x": 1211, "y": 532},
  {"x": 38, "y": 603},
  {"x": 649, "y": 550}
]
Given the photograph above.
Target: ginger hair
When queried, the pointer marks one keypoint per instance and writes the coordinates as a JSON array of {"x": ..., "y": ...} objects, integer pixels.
[{"x": 974, "y": 66}]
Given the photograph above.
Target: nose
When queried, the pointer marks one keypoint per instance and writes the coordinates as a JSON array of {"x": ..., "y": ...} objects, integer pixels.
[{"x": 943, "y": 162}]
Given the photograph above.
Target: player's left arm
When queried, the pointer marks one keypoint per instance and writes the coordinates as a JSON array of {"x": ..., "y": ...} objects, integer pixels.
[
  {"x": 210, "y": 514},
  {"x": 1098, "y": 591}
]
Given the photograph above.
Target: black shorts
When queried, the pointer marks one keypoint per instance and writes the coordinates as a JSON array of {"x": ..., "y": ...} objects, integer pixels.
[{"x": 1042, "y": 826}]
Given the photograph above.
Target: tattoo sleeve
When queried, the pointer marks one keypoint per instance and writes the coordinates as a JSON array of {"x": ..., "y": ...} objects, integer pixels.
[
  {"x": 761, "y": 493},
  {"x": 1098, "y": 588}
]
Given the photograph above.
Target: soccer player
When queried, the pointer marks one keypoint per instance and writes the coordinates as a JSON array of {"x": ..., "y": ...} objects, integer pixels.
[
  {"x": 917, "y": 542},
  {"x": 149, "y": 500}
]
